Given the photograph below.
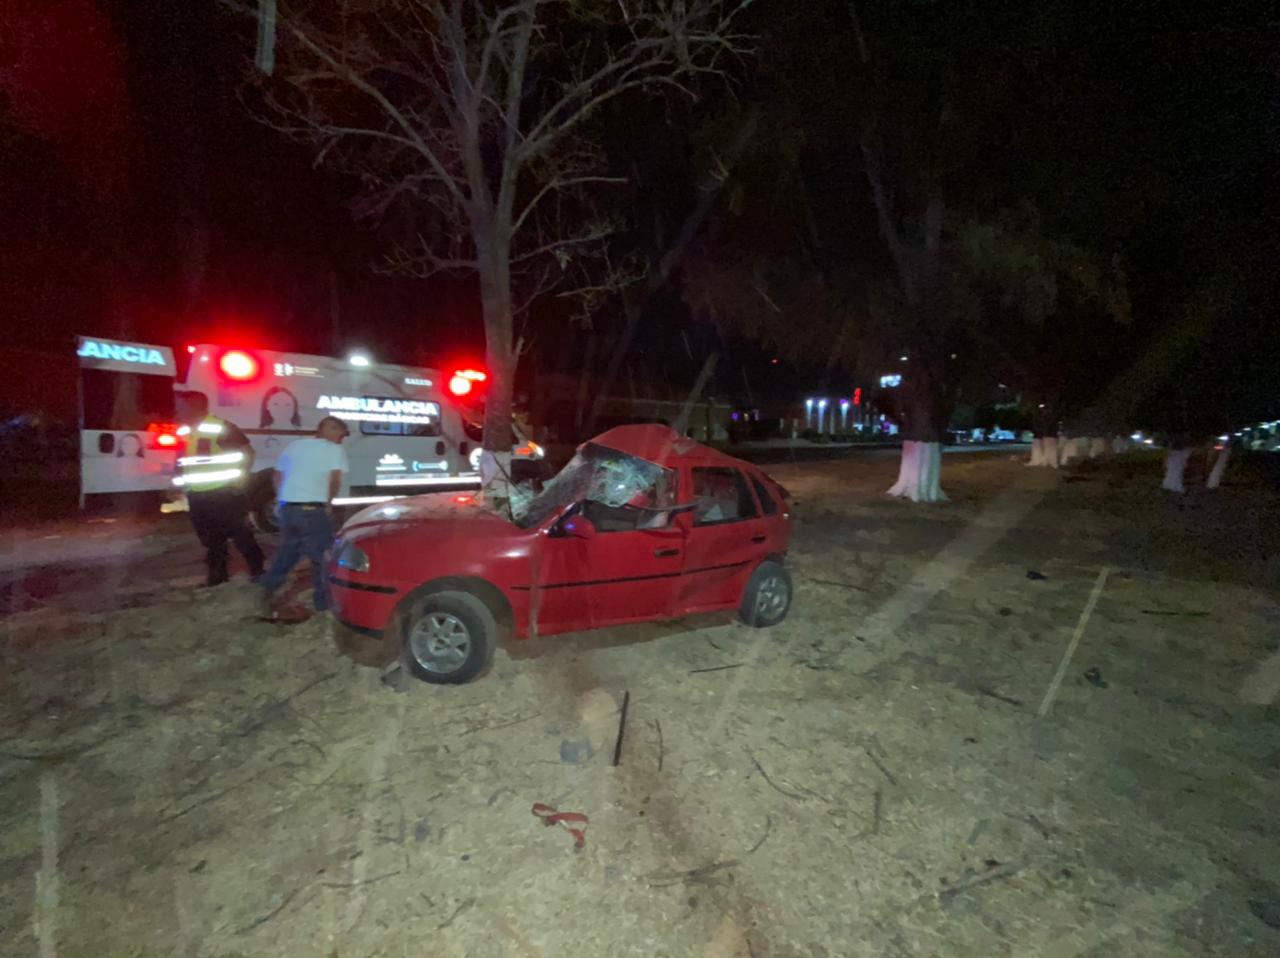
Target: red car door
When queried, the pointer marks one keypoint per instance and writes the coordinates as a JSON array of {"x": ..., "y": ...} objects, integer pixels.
[
  {"x": 616, "y": 575},
  {"x": 725, "y": 539}
]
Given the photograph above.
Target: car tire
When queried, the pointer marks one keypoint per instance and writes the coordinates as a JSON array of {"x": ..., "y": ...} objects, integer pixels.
[
  {"x": 767, "y": 597},
  {"x": 262, "y": 505},
  {"x": 448, "y": 638}
]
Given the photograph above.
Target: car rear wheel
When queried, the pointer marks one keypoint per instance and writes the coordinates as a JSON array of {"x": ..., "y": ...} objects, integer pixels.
[
  {"x": 449, "y": 638},
  {"x": 767, "y": 597}
]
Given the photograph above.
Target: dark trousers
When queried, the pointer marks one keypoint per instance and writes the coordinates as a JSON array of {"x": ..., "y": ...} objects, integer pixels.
[
  {"x": 219, "y": 515},
  {"x": 304, "y": 530}
]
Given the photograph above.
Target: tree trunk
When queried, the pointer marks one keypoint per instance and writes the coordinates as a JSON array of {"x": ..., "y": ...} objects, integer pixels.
[
  {"x": 1219, "y": 467},
  {"x": 1037, "y": 452},
  {"x": 923, "y": 429},
  {"x": 500, "y": 364},
  {"x": 1097, "y": 447},
  {"x": 1175, "y": 464},
  {"x": 1050, "y": 452}
]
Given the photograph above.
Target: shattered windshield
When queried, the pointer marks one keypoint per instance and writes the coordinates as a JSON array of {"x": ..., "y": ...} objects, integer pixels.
[{"x": 603, "y": 475}]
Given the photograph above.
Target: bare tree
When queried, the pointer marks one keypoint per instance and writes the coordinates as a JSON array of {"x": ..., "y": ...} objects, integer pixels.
[{"x": 470, "y": 120}]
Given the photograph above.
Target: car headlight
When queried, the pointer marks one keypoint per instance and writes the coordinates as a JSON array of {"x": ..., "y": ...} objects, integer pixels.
[{"x": 351, "y": 556}]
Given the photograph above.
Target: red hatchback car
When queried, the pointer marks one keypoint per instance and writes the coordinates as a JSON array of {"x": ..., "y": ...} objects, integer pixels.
[{"x": 641, "y": 524}]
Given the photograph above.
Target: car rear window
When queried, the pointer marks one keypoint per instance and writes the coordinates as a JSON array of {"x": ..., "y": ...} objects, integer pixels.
[
  {"x": 722, "y": 495},
  {"x": 767, "y": 502}
]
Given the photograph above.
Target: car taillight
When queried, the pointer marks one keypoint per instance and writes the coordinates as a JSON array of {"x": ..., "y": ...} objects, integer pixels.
[{"x": 164, "y": 435}]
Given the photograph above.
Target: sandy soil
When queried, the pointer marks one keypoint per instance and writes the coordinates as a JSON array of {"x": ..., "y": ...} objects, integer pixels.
[{"x": 870, "y": 778}]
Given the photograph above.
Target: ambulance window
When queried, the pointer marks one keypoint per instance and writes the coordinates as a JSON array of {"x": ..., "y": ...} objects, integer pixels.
[
  {"x": 428, "y": 424},
  {"x": 125, "y": 401}
]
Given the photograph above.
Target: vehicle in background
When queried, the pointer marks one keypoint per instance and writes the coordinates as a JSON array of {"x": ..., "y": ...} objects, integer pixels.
[
  {"x": 407, "y": 423},
  {"x": 996, "y": 434},
  {"x": 642, "y": 524},
  {"x": 128, "y": 441}
]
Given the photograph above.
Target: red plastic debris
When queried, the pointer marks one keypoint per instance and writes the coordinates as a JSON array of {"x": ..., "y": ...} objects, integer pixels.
[{"x": 550, "y": 816}]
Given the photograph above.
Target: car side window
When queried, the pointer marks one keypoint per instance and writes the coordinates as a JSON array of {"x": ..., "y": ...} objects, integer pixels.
[
  {"x": 767, "y": 502},
  {"x": 721, "y": 495}
]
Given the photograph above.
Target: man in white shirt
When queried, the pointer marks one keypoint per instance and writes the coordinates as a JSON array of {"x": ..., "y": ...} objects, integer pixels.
[{"x": 308, "y": 475}]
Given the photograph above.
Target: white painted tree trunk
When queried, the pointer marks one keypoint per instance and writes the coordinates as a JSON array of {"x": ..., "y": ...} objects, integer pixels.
[
  {"x": 1119, "y": 445},
  {"x": 1037, "y": 452},
  {"x": 1219, "y": 467},
  {"x": 920, "y": 473},
  {"x": 1097, "y": 447},
  {"x": 495, "y": 474},
  {"x": 1175, "y": 464},
  {"x": 1050, "y": 452},
  {"x": 1069, "y": 449}
]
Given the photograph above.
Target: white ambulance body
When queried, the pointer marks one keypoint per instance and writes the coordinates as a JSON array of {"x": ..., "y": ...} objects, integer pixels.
[
  {"x": 411, "y": 431},
  {"x": 126, "y": 411},
  {"x": 408, "y": 431}
]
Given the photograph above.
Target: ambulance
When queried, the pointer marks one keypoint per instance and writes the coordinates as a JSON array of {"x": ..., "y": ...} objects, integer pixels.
[{"x": 413, "y": 429}]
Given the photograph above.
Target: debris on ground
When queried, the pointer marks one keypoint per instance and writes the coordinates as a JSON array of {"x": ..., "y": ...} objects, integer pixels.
[
  {"x": 575, "y": 823},
  {"x": 1268, "y": 912},
  {"x": 622, "y": 729},
  {"x": 1035, "y": 576},
  {"x": 576, "y": 752},
  {"x": 1094, "y": 678}
]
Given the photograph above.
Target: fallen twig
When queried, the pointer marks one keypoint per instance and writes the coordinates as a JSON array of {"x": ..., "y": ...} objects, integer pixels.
[
  {"x": 273, "y": 912},
  {"x": 768, "y": 827},
  {"x": 877, "y": 801},
  {"x": 718, "y": 668},
  {"x": 1170, "y": 612},
  {"x": 712, "y": 642},
  {"x": 277, "y": 707},
  {"x": 774, "y": 785},
  {"x": 880, "y": 765},
  {"x": 363, "y": 881},
  {"x": 992, "y": 693},
  {"x": 622, "y": 729},
  {"x": 487, "y": 728},
  {"x": 456, "y": 912},
  {"x": 842, "y": 585},
  {"x": 205, "y": 801},
  {"x": 662, "y": 752},
  {"x": 664, "y": 879},
  {"x": 995, "y": 873}
]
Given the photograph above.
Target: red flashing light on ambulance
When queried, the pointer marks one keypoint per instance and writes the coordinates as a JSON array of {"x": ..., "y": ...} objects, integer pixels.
[
  {"x": 463, "y": 381},
  {"x": 164, "y": 435},
  {"x": 237, "y": 365}
]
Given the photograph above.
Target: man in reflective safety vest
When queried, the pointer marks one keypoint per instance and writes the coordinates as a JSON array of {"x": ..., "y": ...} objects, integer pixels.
[{"x": 212, "y": 470}]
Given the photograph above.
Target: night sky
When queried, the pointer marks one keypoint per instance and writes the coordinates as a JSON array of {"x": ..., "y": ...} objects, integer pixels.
[{"x": 140, "y": 198}]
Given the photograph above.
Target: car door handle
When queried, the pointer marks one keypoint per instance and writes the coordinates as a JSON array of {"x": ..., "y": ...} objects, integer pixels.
[
  {"x": 758, "y": 539},
  {"x": 663, "y": 553}
]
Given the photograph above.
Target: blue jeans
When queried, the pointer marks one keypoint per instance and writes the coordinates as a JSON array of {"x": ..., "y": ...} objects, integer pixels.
[{"x": 304, "y": 530}]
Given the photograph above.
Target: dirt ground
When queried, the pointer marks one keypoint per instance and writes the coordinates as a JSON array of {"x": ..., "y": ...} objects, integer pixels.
[{"x": 872, "y": 777}]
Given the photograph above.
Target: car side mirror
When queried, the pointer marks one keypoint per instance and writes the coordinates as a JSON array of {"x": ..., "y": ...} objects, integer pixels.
[{"x": 580, "y": 527}]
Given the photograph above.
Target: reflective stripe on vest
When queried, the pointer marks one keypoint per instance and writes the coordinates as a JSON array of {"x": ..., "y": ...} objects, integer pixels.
[{"x": 206, "y": 465}]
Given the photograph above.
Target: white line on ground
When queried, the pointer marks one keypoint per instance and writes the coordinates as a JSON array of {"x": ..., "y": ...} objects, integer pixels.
[
  {"x": 1262, "y": 687},
  {"x": 1089, "y": 606},
  {"x": 46, "y": 912}
]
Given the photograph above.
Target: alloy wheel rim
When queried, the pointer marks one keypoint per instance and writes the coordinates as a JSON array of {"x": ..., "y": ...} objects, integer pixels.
[
  {"x": 771, "y": 598},
  {"x": 440, "y": 642}
]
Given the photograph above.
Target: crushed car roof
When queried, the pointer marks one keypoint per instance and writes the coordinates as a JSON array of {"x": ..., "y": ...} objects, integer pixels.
[{"x": 663, "y": 445}]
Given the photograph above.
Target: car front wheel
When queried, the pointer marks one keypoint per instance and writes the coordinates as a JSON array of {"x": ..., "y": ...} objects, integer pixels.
[
  {"x": 767, "y": 597},
  {"x": 449, "y": 638}
]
